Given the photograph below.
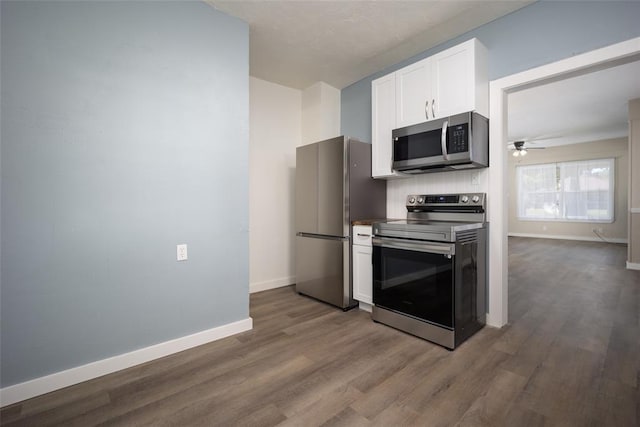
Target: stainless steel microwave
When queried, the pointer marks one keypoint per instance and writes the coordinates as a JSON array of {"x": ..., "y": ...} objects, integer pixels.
[{"x": 451, "y": 143}]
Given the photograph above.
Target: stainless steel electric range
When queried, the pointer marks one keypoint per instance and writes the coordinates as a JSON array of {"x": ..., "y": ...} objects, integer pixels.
[{"x": 429, "y": 271}]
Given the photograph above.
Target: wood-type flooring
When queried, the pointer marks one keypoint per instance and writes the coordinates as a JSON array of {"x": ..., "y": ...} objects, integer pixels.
[{"x": 569, "y": 357}]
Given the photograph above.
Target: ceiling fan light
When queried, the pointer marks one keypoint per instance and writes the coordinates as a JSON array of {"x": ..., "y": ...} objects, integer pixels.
[
  {"x": 523, "y": 152},
  {"x": 515, "y": 153}
]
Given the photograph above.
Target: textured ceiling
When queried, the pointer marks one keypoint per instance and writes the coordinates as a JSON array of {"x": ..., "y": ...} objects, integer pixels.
[
  {"x": 298, "y": 43},
  {"x": 586, "y": 108}
]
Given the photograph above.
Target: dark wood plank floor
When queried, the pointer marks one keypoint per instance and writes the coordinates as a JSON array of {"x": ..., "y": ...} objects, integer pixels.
[{"x": 570, "y": 356}]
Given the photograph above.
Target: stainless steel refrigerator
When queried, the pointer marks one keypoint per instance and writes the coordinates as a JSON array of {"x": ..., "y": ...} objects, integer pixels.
[{"x": 333, "y": 188}]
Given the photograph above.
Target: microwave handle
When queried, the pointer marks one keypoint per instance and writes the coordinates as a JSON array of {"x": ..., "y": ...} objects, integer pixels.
[
  {"x": 443, "y": 140},
  {"x": 393, "y": 143}
]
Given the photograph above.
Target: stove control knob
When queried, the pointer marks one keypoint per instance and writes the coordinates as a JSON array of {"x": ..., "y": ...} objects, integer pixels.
[
  {"x": 464, "y": 199},
  {"x": 420, "y": 200},
  {"x": 412, "y": 200},
  {"x": 475, "y": 199}
]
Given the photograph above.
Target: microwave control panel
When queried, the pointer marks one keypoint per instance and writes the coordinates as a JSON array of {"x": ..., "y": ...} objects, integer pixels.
[{"x": 458, "y": 139}]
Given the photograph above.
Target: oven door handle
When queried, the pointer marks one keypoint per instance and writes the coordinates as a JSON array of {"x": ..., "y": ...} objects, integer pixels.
[{"x": 444, "y": 249}]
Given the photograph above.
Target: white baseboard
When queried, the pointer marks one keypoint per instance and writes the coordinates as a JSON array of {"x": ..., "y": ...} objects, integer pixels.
[
  {"x": 271, "y": 284},
  {"x": 569, "y": 237},
  {"x": 633, "y": 265},
  {"x": 28, "y": 389},
  {"x": 494, "y": 322},
  {"x": 365, "y": 307}
]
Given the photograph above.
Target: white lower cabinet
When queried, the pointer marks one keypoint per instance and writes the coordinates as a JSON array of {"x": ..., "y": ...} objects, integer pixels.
[
  {"x": 362, "y": 274},
  {"x": 362, "y": 267}
]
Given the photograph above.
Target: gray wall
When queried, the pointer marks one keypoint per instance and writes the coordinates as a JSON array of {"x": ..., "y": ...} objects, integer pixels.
[
  {"x": 541, "y": 33},
  {"x": 124, "y": 133}
]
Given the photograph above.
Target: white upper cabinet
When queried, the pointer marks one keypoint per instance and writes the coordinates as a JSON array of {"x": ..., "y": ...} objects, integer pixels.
[
  {"x": 383, "y": 120},
  {"x": 447, "y": 83},
  {"x": 459, "y": 80},
  {"x": 413, "y": 93}
]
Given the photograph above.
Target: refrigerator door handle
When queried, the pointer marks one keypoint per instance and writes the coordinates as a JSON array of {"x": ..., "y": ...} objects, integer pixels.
[{"x": 322, "y": 236}]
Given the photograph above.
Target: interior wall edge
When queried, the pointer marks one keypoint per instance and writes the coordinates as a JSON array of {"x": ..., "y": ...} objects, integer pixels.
[{"x": 38, "y": 386}]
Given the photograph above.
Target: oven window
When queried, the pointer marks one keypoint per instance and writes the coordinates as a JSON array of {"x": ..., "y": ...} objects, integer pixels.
[{"x": 416, "y": 283}]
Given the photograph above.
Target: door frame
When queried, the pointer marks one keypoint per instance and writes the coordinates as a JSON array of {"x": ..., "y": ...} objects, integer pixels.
[{"x": 498, "y": 203}]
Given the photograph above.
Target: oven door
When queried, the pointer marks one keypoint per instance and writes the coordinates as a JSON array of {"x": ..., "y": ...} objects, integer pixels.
[{"x": 415, "y": 278}]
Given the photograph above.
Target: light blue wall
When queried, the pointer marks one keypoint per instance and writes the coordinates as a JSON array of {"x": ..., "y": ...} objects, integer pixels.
[
  {"x": 124, "y": 132},
  {"x": 541, "y": 33}
]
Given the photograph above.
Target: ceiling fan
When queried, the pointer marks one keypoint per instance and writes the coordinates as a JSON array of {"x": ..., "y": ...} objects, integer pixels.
[{"x": 520, "y": 150}]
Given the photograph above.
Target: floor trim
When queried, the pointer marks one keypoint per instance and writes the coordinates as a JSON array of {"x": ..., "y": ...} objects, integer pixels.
[
  {"x": 271, "y": 284},
  {"x": 365, "y": 306},
  {"x": 633, "y": 265},
  {"x": 28, "y": 389},
  {"x": 569, "y": 237}
]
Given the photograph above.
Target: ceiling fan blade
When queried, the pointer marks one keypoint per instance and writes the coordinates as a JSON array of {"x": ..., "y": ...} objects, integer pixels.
[{"x": 522, "y": 145}]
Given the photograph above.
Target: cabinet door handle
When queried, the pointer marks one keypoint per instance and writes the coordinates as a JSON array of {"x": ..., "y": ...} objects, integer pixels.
[
  {"x": 364, "y": 235},
  {"x": 426, "y": 109},
  {"x": 433, "y": 111}
]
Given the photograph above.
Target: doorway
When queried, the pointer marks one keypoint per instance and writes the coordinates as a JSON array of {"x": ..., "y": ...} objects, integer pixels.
[{"x": 621, "y": 53}]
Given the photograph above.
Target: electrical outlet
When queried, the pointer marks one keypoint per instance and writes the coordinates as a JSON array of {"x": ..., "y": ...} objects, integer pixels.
[
  {"x": 474, "y": 178},
  {"x": 181, "y": 252}
]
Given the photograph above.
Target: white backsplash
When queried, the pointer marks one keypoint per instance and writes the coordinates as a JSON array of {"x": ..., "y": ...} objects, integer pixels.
[{"x": 472, "y": 181}]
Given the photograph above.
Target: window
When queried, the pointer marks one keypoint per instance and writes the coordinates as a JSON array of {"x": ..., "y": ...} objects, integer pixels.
[{"x": 568, "y": 191}]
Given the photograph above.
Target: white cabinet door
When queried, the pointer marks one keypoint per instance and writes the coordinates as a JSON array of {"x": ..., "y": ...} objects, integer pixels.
[
  {"x": 383, "y": 121},
  {"x": 362, "y": 274},
  {"x": 459, "y": 80},
  {"x": 413, "y": 94}
]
